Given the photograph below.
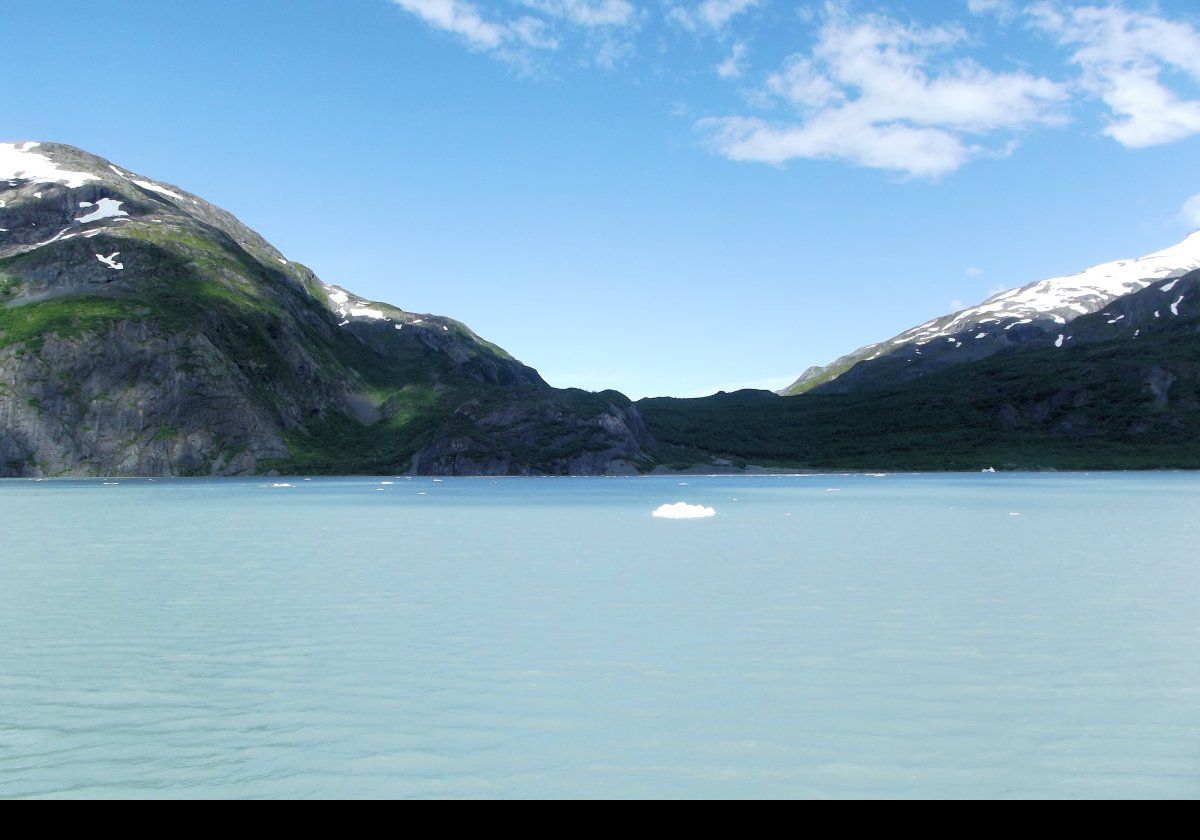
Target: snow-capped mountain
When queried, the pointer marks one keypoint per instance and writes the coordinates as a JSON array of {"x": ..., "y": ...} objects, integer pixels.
[
  {"x": 144, "y": 330},
  {"x": 1003, "y": 321}
]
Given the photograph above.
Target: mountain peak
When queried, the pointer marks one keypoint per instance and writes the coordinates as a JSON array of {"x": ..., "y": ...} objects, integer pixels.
[
  {"x": 1001, "y": 321},
  {"x": 37, "y": 163},
  {"x": 144, "y": 330}
]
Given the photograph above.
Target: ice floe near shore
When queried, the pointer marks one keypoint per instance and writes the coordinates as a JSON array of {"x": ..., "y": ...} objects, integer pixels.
[{"x": 682, "y": 510}]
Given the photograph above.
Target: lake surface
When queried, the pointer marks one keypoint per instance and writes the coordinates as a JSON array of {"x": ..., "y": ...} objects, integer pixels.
[{"x": 822, "y": 636}]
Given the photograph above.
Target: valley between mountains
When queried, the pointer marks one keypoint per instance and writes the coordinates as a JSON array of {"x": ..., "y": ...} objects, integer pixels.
[{"x": 145, "y": 331}]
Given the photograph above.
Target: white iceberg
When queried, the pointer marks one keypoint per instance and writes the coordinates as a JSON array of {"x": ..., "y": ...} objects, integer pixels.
[{"x": 682, "y": 510}]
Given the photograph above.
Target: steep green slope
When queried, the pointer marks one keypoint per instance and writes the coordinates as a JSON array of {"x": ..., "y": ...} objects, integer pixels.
[{"x": 144, "y": 331}]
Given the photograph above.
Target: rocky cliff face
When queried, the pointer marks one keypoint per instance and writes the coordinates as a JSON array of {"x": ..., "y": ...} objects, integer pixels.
[{"x": 144, "y": 331}]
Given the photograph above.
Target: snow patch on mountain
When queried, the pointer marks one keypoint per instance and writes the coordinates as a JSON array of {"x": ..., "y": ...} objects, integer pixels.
[
  {"x": 347, "y": 307},
  {"x": 106, "y": 208},
  {"x": 111, "y": 260},
  {"x": 18, "y": 162},
  {"x": 161, "y": 190},
  {"x": 1062, "y": 299}
]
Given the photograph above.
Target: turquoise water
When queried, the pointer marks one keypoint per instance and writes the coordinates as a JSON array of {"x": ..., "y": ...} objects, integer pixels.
[{"x": 822, "y": 636}]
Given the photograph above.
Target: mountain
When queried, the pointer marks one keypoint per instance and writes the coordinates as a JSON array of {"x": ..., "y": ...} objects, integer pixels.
[
  {"x": 1117, "y": 388},
  {"x": 1019, "y": 317},
  {"x": 145, "y": 331}
]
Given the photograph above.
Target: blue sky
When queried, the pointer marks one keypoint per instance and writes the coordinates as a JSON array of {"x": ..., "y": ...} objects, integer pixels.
[{"x": 660, "y": 197}]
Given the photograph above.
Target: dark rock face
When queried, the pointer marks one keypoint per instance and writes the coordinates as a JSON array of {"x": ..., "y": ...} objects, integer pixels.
[{"x": 144, "y": 331}]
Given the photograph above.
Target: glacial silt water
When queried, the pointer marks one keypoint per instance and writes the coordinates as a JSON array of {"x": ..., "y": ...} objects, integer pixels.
[{"x": 820, "y": 636}]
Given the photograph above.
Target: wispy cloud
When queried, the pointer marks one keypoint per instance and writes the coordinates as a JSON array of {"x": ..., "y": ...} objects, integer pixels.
[
  {"x": 461, "y": 18},
  {"x": 519, "y": 29},
  {"x": 587, "y": 13},
  {"x": 731, "y": 67},
  {"x": 1124, "y": 56},
  {"x": 1191, "y": 211},
  {"x": 872, "y": 89},
  {"x": 877, "y": 92},
  {"x": 1005, "y": 10},
  {"x": 712, "y": 15}
]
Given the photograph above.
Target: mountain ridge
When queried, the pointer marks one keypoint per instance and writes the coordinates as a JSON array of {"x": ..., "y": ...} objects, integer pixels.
[
  {"x": 1004, "y": 320},
  {"x": 144, "y": 330},
  {"x": 1123, "y": 394}
]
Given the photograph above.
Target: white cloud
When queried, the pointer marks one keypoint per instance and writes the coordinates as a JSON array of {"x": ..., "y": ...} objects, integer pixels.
[
  {"x": 461, "y": 18},
  {"x": 974, "y": 272},
  {"x": 1124, "y": 56},
  {"x": 1191, "y": 211},
  {"x": 710, "y": 14},
  {"x": 516, "y": 30},
  {"x": 873, "y": 90},
  {"x": 1005, "y": 10},
  {"x": 731, "y": 67},
  {"x": 876, "y": 92},
  {"x": 587, "y": 13}
]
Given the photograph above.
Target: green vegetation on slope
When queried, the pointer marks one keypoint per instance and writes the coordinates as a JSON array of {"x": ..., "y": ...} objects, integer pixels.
[
  {"x": 65, "y": 317},
  {"x": 1089, "y": 407}
]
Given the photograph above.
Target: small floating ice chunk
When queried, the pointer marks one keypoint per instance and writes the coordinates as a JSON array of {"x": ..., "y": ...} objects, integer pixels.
[
  {"x": 282, "y": 485},
  {"x": 682, "y": 510}
]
